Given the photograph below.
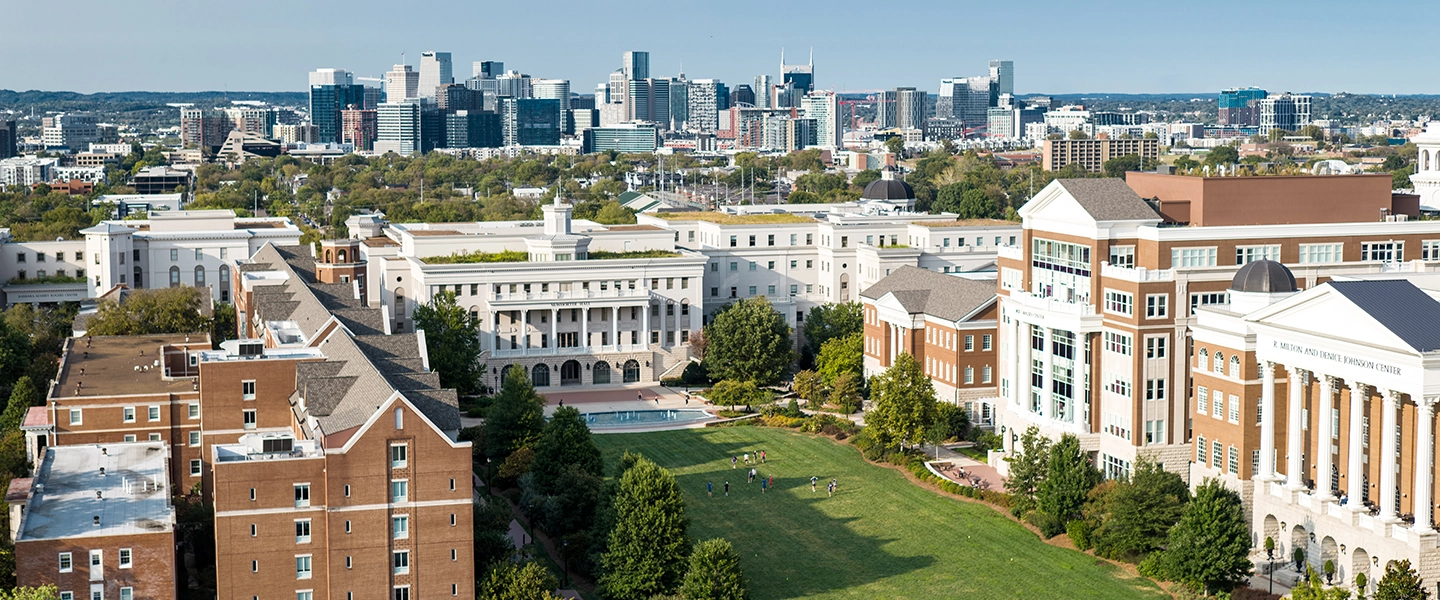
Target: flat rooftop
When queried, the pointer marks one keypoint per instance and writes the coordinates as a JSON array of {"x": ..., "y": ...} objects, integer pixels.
[
  {"x": 122, "y": 365},
  {"x": 134, "y": 492}
]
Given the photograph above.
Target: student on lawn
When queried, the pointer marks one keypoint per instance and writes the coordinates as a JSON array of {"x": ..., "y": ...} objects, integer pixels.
[
  {"x": 709, "y": 489},
  {"x": 813, "y": 481},
  {"x": 727, "y": 489},
  {"x": 733, "y": 461}
]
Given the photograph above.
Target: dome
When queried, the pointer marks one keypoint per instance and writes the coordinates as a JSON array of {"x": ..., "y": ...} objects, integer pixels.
[
  {"x": 1263, "y": 277},
  {"x": 888, "y": 189}
]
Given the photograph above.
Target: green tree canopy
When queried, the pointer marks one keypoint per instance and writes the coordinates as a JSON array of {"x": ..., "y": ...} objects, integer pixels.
[
  {"x": 1068, "y": 480},
  {"x": 809, "y": 386},
  {"x": 648, "y": 547},
  {"x": 612, "y": 213},
  {"x": 564, "y": 442},
  {"x": 1118, "y": 166},
  {"x": 516, "y": 418},
  {"x": 976, "y": 204},
  {"x": 864, "y": 178},
  {"x": 1027, "y": 470},
  {"x": 1222, "y": 155},
  {"x": 733, "y": 393},
  {"x": 44, "y": 592},
  {"x": 841, "y": 355},
  {"x": 452, "y": 341},
  {"x": 22, "y": 397},
  {"x": 845, "y": 392},
  {"x": 1312, "y": 589},
  {"x": 1401, "y": 582},
  {"x": 904, "y": 401},
  {"x": 1209, "y": 548},
  {"x": 508, "y": 581},
  {"x": 714, "y": 573},
  {"x": 1138, "y": 514},
  {"x": 144, "y": 312},
  {"x": 749, "y": 341},
  {"x": 831, "y": 320},
  {"x": 895, "y": 145}
]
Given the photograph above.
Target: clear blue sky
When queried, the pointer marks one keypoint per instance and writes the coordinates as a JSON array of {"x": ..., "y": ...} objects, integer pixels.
[{"x": 1057, "y": 46}]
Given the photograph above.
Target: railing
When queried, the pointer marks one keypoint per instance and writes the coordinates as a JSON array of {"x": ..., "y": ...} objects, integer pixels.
[
  {"x": 571, "y": 295},
  {"x": 1136, "y": 275},
  {"x": 570, "y": 351},
  {"x": 1030, "y": 300},
  {"x": 1010, "y": 252}
]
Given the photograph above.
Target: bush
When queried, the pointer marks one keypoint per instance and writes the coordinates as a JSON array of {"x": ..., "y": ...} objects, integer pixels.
[
  {"x": 695, "y": 374},
  {"x": 1049, "y": 526},
  {"x": 782, "y": 421},
  {"x": 672, "y": 382},
  {"x": 1079, "y": 532},
  {"x": 730, "y": 414}
]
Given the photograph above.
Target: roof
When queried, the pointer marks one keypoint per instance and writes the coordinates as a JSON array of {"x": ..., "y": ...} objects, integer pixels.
[
  {"x": 1399, "y": 306},
  {"x": 1265, "y": 277},
  {"x": 1109, "y": 199},
  {"x": 134, "y": 492},
  {"x": 888, "y": 189},
  {"x": 926, "y": 292},
  {"x": 36, "y": 417},
  {"x": 122, "y": 365}
]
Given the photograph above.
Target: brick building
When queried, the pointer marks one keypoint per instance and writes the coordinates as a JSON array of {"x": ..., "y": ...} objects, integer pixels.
[{"x": 1092, "y": 153}]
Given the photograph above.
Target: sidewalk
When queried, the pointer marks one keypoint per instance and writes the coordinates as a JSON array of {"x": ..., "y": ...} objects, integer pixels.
[{"x": 971, "y": 466}]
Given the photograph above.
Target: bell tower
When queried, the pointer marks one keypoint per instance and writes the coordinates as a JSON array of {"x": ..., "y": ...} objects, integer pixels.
[{"x": 340, "y": 261}]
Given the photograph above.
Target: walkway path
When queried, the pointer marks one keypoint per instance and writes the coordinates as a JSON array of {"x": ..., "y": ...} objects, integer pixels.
[{"x": 971, "y": 466}]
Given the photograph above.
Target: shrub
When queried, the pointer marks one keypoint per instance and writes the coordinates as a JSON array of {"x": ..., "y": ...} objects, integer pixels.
[
  {"x": 1049, "y": 526},
  {"x": 782, "y": 421},
  {"x": 730, "y": 414},
  {"x": 672, "y": 382},
  {"x": 1079, "y": 532},
  {"x": 695, "y": 374}
]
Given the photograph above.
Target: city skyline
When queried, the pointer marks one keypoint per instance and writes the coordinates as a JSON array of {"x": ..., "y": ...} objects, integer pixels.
[{"x": 1042, "y": 42}]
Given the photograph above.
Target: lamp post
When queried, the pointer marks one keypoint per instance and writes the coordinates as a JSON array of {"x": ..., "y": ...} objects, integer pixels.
[
  {"x": 1270, "y": 557},
  {"x": 565, "y": 560}
]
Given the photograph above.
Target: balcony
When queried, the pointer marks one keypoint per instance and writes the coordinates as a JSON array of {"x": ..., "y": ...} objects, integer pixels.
[
  {"x": 1055, "y": 313},
  {"x": 572, "y": 351},
  {"x": 1136, "y": 275},
  {"x": 1010, "y": 252},
  {"x": 570, "y": 295}
]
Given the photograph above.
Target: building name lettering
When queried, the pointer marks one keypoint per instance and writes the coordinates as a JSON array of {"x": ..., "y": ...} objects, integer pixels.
[{"x": 1343, "y": 359}]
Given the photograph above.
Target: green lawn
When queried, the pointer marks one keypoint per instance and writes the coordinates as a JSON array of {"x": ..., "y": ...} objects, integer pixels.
[{"x": 879, "y": 537}]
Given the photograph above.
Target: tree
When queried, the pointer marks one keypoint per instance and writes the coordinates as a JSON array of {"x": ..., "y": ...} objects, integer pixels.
[
  {"x": 1400, "y": 582},
  {"x": 572, "y": 508},
  {"x": 749, "y": 342},
  {"x": 841, "y": 355},
  {"x": 809, "y": 387},
  {"x": 565, "y": 442},
  {"x": 613, "y": 213},
  {"x": 516, "y": 418},
  {"x": 864, "y": 178},
  {"x": 452, "y": 341},
  {"x": 1068, "y": 480},
  {"x": 528, "y": 581},
  {"x": 648, "y": 546},
  {"x": 714, "y": 573},
  {"x": 845, "y": 392},
  {"x": 1027, "y": 470},
  {"x": 1118, "y": 166},
  {"x": 1079, "y": 135},
  {"x": 1222, "y": 155},
  {"x": 143, "y": 312},
  {"x": 904, "y": 401},
  {"x": 831, "y": 320},
  {"x": 1139, "y": 512},
  {"x": 1310, "y": 589},
  {"x": 44, "y": 592},
  {"x": 223, "y": 325},
  {"x": 734, "y": 393},
  {"x": 1209, "y": 548},
  {"x": 976, "y": 204},
  {"x": 22, "y": 396},
  {"x": 949, "y": 197},
  {"x": 895, "y": 145}
]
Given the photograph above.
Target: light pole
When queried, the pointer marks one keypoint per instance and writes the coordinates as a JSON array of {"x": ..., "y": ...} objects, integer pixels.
[{"x": 565, "y": 559}]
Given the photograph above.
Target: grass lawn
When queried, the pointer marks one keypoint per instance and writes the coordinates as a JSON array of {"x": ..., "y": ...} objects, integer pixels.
[{"x": 880, "y": 536}]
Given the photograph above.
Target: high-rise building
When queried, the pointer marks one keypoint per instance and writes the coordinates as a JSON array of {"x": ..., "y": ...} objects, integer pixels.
[
  {"x": 513, "y": 84},
  {"x": 679, "y": 102},
  {"x": 945, "y": 102},
  {"x": 530, "y": 121},
  {"x": 331, "y": 90},
  {"x": 909, "y": 108},
  {"x": 487, "y": 69},
  {"x": 972, "y": 106},
  {"x": 633, "y": 138},
  {"x": 401, "y": 83},
  {"x": 554, "y": 89},
  {"x": 824, "y": 108},
  {"x": 259, "y": 120},
  {"x": 763, "y": 83},
  {"x": 650, "y": 101},
  {"x": 453, "y": 96},
  {"x": 398, "y": 127},
  {"x": 435, "y": 71},
  {"x": 472, "y": 129},
  {"x": 577, "y": 120},
  {"x": 9, "y": 139},
  {"x": 707, "y": 98},
  {"x": 885, "y": 109},
  {"x": 1240, "y": 107},
  {"x": 1286, "y": 112},
  {"x": 69, "y": 131},
  {"x": 743, "y": 94},
  {"x": 1002, "y": 72},
  {"x": 636, "y": 65},
  {"x": 802, "y": 75},
  {"x": 202, "y": 128},
  {"x": 358, "y": 126}
]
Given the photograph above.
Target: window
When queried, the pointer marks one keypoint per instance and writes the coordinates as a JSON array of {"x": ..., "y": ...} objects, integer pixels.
[
  {"x": 1327, "y": 253},
  {"x": 125, "y": 558},
  {"x": 1192, "y": 257},
  {"x": 154, "y": 437},
  {"x": 1217, "y": 453},
  {"x": 770, "y": 290},
  {"x": 809, "y": 239},
  {"x": 153, "y": 413},
  {"x": 347, "y": 526},
  {"x": 1234, "y": 409},
  {"x": 969, "y": 375},
  {"x": 794, "y": 289},
  {"x": 1202, "y": 402},
  {"x": 1122, "y": 256},
  {"x": 193, "y": 410},
  {"x": 303, "y": 595},
  {"x": 1249, "y": 254},
  {"x": 1235, "y": 366},
  {"x": 1155, "y": 347},
  {"x": 1234, "y": 462},
  {"x": 985, "y": 374},
  {"x": 347, "y": 490},
  {"x": 254, "y": 530},
  {"x": 1119, "y": 342},
  {"x": 1208, "y": 298},
  {"x": 1219, "y": 363},
  {"x": 195, "y": 466},
  {"x": 401, "y": 562},
  {"x": 302, "y": 531},
  {"x": 66, "y": 565},
  {"x": 770, "y": 240},
  {"x": 752, "y": 240},
  {"x": 1430, "y": 250},
  {"x": 1156, "y": 306},
  {"x": 302, "y": 495},
  {"x": 21, "y": 257},
  {"x": 986, "y": 342},
  {"x": 1154, "y": 389},
  {"x": 1200, "y": 450},
  {"x": 844, "y": 241},
  {"x": 127, "y": 593},
  {"x": 174, "y": 254},
  {"x": 1155, "y": 432},
  {"x": 129, "y": 438},
  {"x": 809, "y": 264},
  {"x": 397, "y": 455},
  {"x": 247, "y": 389},
  {"x": 734, "y": 266},
  {"x": 969, "y": 343},
  {"x": 127, "y": 414},
  {"x": 401, "y": 593},
  {"x": 1391, "y": 251},
  {"x": 1217, "y": 404},
  {"x": 249, "y": 418},
  {"x": 792, "y": 239},
  {"x": 302, "y": 566},
  {"x": 1120, "y": 303},
  {"x": 399, "y": 490},
  {"x": 67, "y": 595},
  {"x": 752, "y": 288},
  {"x": 400, "y": 527}
]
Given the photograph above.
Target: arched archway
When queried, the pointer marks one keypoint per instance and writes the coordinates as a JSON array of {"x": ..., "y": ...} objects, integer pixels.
[
  {"x": 340, "y": 254},
  {"x": 600, "y": 373},
  {"x": 1271, "y": 529},
  {"x": 1330, "y": 551},
  {"x": 632, "y": 371},
  {"x": 1360, "y": 563},
  {"x": 505, "y": 373},
  {"x": 1299, "y": 538},
  {"x": 570, "y": 373},
  {"x": 540, "y": 375},
  {"x": 844, "y": 287},
  {"x": 329, "y": 256},
  {"x": 224, "y": 283}
]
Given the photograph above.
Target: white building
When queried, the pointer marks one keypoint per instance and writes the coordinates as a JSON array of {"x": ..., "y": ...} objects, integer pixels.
[
  {"x": 434, "y": 72},
  {"x": 824, "y": 108},
  {"x": 401, "y": 83},
  {"x": 1427, "y": 167},
  {"x": 397, "y": 127},
  {"x": 27, "y": 170}
]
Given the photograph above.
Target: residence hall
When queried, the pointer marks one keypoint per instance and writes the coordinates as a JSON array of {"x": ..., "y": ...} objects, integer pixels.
[
  {"x": 1097, "y": 301},
  {"x": 1318, "y": 407},
  {"x": 947, "y": 322}
]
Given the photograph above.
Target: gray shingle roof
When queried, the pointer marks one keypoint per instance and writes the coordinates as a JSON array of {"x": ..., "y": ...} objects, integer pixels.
[
  {"x": 1109, "y": 199},
  {"x": 1405, "y": 310},
  {"x": 931, "y": 293}
]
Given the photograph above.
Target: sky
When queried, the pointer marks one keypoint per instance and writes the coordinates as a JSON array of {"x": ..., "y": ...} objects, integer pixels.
[{"x": 1058, "y": 46}]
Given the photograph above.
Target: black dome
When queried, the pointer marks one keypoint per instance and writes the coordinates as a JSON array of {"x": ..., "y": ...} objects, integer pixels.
[
  {"x": 888, "y": 189},
  {"x": 1265, "y": 277}
]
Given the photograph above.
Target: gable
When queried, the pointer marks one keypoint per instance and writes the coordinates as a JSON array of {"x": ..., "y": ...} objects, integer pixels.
[
  {"x": 1316, "y": 314},
  {"x": 1054, "y": 204}
]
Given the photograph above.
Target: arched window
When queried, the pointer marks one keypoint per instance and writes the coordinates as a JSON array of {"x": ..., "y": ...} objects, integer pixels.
[
  {"x": 329, "y": 256},
  {"x": 601, "y": 372},
  {"x": 341, "y": 255},
  {"x": 1204, "y": 364},
  {"x": 540, "y": 375},
  {"x": 174, "y": 276},
  {"x": 1220, "y": 363},
  {"x": 199, "y": 276},
  {"x": 399, "y": 303},
  {"x": 224, "y": 283},
  {"x": 399, "y": 418},
  {"x": 1235, "y": 366},
  {"x": 139, "y": 278}
]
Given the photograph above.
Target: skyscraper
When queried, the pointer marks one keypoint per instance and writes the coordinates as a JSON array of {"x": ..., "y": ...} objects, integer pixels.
[
  {"x": 201, "y": 128},
  {"x": 434, "y": 72},
  {"x": 679, "y": 102},
  {"x": 9, "y": 138},
  {"x": 512, "y": 84},
  {"x": 398, "y": 127},
  {"x": 530, "y": 121},
  {"x": 909, "y": 108},
  {"x": 945, "y": 102},
  {"x": 706, "y": 98},
  {"x": 1286, "y": 112},
  {"x": 1240, "y": 107},
  {"x": 650, "y": 101},
  {"x": 472, "y": 129},
  {"x": 555, "y": 89},
  {"x": 979, "y": 95},
  {"x": 453, "y": 96},
  {"x": 400, "y": 83},
  {"x": 824, "y": 108},
  {"x": 762, "y": 91},
  {"x": 802, "y": 75},
  {"x": 636, "y": 65},
  {"x": 884, "y": 109},
  {"x": 487, "y": 69},
  {"x": 358, "y": 126},
  {"x": 743, "y": 94},
  {"x": 331, "y": 90},
  {"x": 1002, "y": 72}
]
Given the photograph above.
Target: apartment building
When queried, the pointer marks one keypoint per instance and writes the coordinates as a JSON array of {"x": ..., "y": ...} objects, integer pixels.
[
  {"x": 1092, "y": 153},
  {"x": 947, "y": 322},
  {"x": 1098, "y": 300}
]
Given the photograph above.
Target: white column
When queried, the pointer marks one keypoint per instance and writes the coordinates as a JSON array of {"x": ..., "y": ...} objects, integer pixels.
[
  {"x": 1024, "y": 368},
  {"x": 1267, "y": 421},
  {"x": 1424, "y": 462},
  {"x": 1324, "y": 461},
  {"x": 1018, "y": 369},
  {"x": 1047, "y": 359},
  {"x": 554, "y": 326},
  {"x": 615, "y": 325},
  {"x": 1355, "y": 467},
  {"x": 524, "y": 332},
  {"x": 1294, "y": 429},
  {"x": 585, "y": 329},
  {"x": 494, "y": 332},
  {"x": 645, "y": 325},
  {"x": 1388, "y": 419}
]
